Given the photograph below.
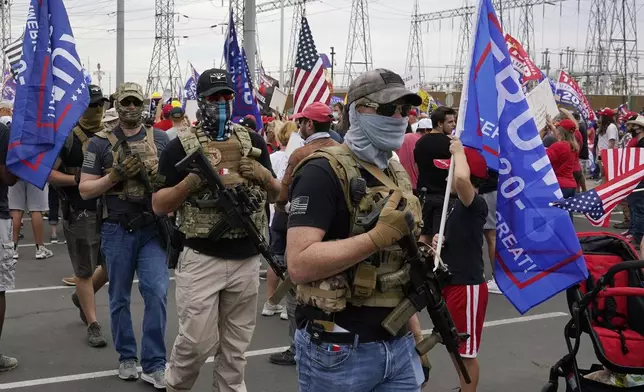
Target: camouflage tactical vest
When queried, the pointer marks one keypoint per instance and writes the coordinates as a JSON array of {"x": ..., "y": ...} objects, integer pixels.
[
  {"x": 224, "y": 156},
  {"x": 361, "y": 285},
  {"x": 69, "y": 143},
  {"x": 133, "y": 189}
]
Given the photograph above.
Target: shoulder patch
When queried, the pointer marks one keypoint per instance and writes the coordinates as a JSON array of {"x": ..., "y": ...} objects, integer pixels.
[
  {"x": 299, "y": 205},
  {"x": 89, "y": 160}
]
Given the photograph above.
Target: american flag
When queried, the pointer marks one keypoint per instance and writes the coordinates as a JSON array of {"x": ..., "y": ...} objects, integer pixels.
[
  {"x": 598, "y": 203},
  {"x": 13, "y": 52},
  {"x": 310, "y": 83},
  {"x": 618, "y": 161}
]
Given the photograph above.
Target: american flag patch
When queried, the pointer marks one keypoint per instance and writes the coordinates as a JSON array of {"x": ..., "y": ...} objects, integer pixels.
[
  {"x": 299, "y": 205},
  {"x": 223, "y": 172}
]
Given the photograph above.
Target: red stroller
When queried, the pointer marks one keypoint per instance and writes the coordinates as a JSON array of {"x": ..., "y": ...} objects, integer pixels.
[{"x": 609, "y": 307}]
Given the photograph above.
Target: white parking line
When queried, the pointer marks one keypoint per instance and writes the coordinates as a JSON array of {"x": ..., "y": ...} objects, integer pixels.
[
  {"x": 254, "y": 353},
  {"x": 46, "y": 288}
]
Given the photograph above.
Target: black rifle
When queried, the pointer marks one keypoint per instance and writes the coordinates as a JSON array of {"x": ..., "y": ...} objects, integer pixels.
[
  {"x": 236, "y": 207},
  {"x": 423, "y": 290},
  {"x": 170, "y": 237}
]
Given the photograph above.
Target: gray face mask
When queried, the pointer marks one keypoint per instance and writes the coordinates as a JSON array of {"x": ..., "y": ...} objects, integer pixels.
[{"x": 373, "y": 137}]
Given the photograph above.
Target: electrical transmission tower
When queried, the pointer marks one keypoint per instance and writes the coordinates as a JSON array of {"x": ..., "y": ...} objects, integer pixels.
[
  {"x": 597, "y": 43},
  {"x": 464, "y": 35},
  {"x": 415, "y": 48},
  {"x": 164, "y": 73},
  {"x": 299, "y": 11},
  {"x": 5, "y": 16},
  {"x": 526, "y": 29},
  {"x": 358, "y": 43},
  {"x": 623, "y": 48}
]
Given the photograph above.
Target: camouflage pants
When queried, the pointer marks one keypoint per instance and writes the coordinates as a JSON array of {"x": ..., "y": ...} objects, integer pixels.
[{"x": 7, "y": 262}]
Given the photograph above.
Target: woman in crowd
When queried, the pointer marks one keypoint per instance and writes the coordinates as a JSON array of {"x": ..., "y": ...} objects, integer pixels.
[
  {"x": 277, "y": 224},
  {"x": 564, "y": 156},
  {"x": 608, "y": 135}
]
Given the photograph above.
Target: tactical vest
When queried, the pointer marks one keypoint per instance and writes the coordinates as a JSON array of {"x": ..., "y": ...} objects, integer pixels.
[
  {"x": 362, "y": 285},
  {"x": 69, "y": 143},
  {"x": 195, "y": 222},
  {"x": 133, "y": 189}
]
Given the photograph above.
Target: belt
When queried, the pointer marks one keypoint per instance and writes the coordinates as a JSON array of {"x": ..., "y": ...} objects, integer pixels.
[
  {"x": 319, "y": 335},
  {"x": 132, "y": 222}
]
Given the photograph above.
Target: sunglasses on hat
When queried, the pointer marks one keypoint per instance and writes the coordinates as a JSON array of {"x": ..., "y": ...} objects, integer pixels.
[
  {"x": 389, "y": 109},
  {"x": 128, "y": 101},
  {"x": 217, "y": 97}
]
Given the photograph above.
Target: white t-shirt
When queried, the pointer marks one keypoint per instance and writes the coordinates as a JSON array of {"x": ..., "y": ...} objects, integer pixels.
[
  {"x": 611, "y": 134},
  {"x": 279, "y": 162}
]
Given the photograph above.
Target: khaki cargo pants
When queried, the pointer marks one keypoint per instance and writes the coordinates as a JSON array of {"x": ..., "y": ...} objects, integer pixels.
[{"x": 217, "y": 307}]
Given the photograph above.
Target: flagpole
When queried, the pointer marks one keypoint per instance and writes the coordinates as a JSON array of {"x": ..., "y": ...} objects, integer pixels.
[
  {"x": 460, "y": 122},
  {"x": 282, "y": 44}
]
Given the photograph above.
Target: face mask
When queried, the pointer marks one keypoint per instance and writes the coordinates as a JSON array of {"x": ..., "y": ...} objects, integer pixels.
[
  {"x": 373, "y": 137},
  {"x": 91, "y": 119},
  {"x": 216, "y": 116},
  {"x": 335, "y": 115},
  {"x": 130, "y": 117}
]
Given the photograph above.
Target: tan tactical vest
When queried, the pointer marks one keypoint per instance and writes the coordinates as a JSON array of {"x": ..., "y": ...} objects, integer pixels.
[
  {"x": 361, "y": 285},
  {"x": 133, "y": 189},
  {"x": 195, "y": 222}
]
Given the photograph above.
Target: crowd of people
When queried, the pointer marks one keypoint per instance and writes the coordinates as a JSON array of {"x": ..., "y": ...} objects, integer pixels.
[{"x": 117, "y": 174}]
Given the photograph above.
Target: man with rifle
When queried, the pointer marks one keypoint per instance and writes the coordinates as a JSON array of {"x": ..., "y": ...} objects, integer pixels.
[
  {"x": 339, "y": 259},
  {"x": 79, "y": 216},
  {"x": 119, "y": 166},
  {"x": 216, "y": 177}
]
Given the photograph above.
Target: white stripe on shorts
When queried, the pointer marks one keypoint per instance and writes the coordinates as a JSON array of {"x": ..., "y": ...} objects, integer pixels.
[{"x": 468, "y": 312}]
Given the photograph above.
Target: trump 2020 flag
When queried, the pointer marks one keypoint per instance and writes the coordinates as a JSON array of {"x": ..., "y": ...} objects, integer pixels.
[
  {"x": 245, "y": 101},
  {"x": 51, "y": 92},
  {"x": 8, "y": 86},
  {"x": 537, "y": 251}
]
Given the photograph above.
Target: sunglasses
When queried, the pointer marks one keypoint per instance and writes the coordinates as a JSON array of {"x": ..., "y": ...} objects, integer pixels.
[
  {"x": 389, "y": 109},
  {"x": 131, "y": 101},
  {"x": 217, "y": 97},
  {"x": 95, "y": 104}
]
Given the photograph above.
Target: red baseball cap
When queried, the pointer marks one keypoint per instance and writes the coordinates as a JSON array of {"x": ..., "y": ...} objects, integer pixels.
[
  {"x": 476, "y": 162},
  {"x": 568, "y": 125},
  {"x": 606, "y": 112},
  {"x": 167, "y": 108},
  {"x": 317, "y": 111}
]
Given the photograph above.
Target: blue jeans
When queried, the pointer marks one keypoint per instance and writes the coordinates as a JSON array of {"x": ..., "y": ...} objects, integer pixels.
[
  {"x": 140, "y": 252},
  {"x": 384, "y": 366}
]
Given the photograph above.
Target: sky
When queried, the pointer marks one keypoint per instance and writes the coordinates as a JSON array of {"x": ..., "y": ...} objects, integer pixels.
[{"x": 94, "y": 23}]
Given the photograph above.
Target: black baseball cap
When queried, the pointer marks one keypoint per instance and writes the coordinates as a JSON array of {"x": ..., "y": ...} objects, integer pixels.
[
  {"x": 214, "y": 81},
  {"x": 96, "y": 94},
  {"x": 177, "y": 112}
]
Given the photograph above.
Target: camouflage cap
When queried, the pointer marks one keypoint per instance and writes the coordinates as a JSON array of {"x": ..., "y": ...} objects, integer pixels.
[
  {"x": 381, "y": 86},
  {"x": 130, "y": 89}
]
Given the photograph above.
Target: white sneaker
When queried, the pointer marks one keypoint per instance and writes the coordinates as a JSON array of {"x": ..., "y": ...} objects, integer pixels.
[
  {"x": 15, "y": 254},
  {"x": 492, "y": 287},
  {"x": 284, "y": 314},
  {"x": 270, "y": 309},
  {"x": 43, "y": 253}
]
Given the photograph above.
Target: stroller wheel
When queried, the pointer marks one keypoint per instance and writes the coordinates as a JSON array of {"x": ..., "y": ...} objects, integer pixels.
[{"x": 550, "y": 387}]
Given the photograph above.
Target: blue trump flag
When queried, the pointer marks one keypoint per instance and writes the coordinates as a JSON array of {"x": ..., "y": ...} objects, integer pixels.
[
  {"x": 191, "y": 85},
  {"x": 245, "y": 102},
  {"x": 537, "y": 251},
  {"x": 51, "y": 92}
]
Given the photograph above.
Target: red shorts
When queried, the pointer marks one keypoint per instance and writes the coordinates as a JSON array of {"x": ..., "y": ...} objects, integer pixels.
[{"x": 467, "y": 305}]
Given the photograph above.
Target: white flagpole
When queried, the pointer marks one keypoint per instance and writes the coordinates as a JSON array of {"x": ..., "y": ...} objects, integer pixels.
[{"x": 459, "y": 129}]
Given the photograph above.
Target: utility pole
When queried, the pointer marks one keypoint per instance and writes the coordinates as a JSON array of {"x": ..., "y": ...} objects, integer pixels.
[
  {"x": 282, "y": 44},
  {"x": 249, "y": 35},
  {"x": 332, "y": 64},
  {"x": 120, "y": 42}
]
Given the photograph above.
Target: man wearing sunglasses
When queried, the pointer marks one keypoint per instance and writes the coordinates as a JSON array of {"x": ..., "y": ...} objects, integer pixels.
[
  {"x": 336, "y": 264},
  {"x": 119, "y": 166},
  {"x": 79, "y": 215},
  {"x": 217, "y": 278}
]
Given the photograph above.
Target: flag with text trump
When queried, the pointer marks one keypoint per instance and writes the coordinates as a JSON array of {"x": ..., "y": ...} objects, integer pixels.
[
  {"x": 537, "y": 251},
  {"x": 51, "y": 92},
  {"x": 309, "y": 81}
]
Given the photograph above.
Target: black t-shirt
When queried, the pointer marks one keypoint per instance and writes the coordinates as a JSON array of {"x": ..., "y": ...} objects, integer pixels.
[
  {"x": 639, "y": 196},
  {"x": 490, "y": 184},
  {"x": 74, "y": 158},
  {"x": 234, "y": 249},
  {"x": 4, "y": 189},
  {"x": 429, "y": 147},
  {"x": 317, "y": 201},
  {"x": 98, "y": 158},
  {"x": 583, "y": 151},
  {"x": 463, "y": 251}
]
